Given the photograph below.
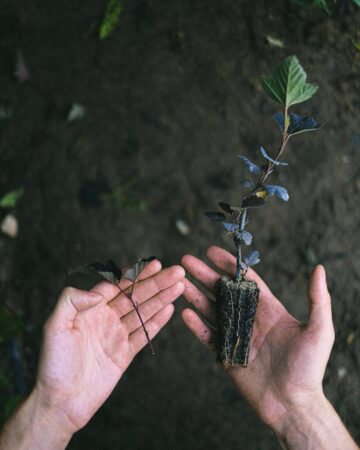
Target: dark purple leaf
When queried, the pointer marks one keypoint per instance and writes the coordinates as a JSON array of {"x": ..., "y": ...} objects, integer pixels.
[
  {"x": 274, "y": 161},
  {"x": 215, "y": 216},
  {"x": 247, "y": 184},
  {"x": 253, "y": 202},
  {"x": 297, "y": 124},
  {"x": 244, "y": 237},
  {"x": 236, "y": 209},
  {"x": 252, "y": 259},
  {"x": 231, "y": 227},
  {"x": 135, "y": 270},
  {"x": 226, "y": 207},
  {"x": 300, "y": 124},
  {"x": 279, "y": 119},
  {"x": 109, "y": 271},
  {"x": 278, "y": 191},
  {"x": 253, "y": 168}
]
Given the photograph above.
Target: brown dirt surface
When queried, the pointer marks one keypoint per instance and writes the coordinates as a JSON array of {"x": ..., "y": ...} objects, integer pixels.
[{"x": 170, "y": 98}]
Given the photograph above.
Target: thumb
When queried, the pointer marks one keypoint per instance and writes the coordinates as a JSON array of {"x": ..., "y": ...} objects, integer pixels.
[
  {"x": 70, "y": 303},
  {"x": 319, "y": 301}
]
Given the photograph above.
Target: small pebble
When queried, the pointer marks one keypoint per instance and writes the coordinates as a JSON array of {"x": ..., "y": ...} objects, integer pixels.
[
  {"x": 341, "y": 372},
  {"x": 21, "y": 72},
  {"x": 5, "y": 113},
  {"x": 9, "y": 226},
  {"x": 275, "y": 42},
  {"x": 350, "y": 338},
  {"x": 77, "y": 112},
  {"x": 182, "y": 227}
]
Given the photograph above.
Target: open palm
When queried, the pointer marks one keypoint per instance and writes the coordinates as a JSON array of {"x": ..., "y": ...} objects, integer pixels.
[
  {"x": 287, "y": 358},
  {"x": 92, "y": 337}
]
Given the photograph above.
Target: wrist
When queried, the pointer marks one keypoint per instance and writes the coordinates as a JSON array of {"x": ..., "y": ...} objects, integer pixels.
[
  {"x": 313, "y": 423},
  {"x": 301, "y": 414},
  {"x": 36, "y": 425},
  {"x": 50, "y": 415}
]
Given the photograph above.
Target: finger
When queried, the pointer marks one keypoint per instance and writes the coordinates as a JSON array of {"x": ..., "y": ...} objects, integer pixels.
[
  {"x": 148, "y": 309},
  {"x": 199, "y": 270},
  {"x": 319, "y": 300},
  {"x": 227, "y": 262},
  {"x": 144, "y": 290},
  {"x": 70, "y": 303},
  {"x": 109, "y": 290},
  {"x": 138, "y": 340},
  {"x": 198, "y": 327},
  {"x": 197, "y": 298}
]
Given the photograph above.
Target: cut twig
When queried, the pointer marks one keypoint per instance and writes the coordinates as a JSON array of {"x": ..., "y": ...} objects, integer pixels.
[
  {"x": 111, "y": 273},
  {"x": 136, "y": 308}
]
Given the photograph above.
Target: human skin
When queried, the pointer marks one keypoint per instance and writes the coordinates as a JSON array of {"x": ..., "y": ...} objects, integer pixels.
[
  {"x": 287, "y": 360},
  {"x": 89, "y": 341}
]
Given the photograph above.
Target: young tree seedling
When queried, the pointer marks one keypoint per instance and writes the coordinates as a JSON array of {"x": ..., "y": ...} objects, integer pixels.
[{"x": 236, "y": 299}]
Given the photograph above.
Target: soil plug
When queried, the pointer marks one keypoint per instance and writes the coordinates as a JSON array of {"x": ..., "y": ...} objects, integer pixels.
[
  {"x": 237, "y": 298},
  {"x": 235, "y": 310}
]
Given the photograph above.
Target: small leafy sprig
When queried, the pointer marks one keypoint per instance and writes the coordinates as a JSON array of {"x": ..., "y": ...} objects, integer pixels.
[
  {"x": 329, "y": 6},
  {"x": 11, "y": 198},
  {"x": 113, "y": 274},
  {"x": 288, "y": 86},
  {"x": 111, "y": 18}
]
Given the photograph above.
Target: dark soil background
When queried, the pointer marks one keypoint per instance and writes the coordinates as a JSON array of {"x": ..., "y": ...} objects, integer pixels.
[{"x": 171, "y": 97}]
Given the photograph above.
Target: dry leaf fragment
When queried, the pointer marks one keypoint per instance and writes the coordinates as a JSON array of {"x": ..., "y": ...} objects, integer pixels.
[
  {"x": 21, "y": 72},
  {"x": 182, "y": 227},
  {"x": 350, "y": 338},
  {"x": 10, "y": 226}
]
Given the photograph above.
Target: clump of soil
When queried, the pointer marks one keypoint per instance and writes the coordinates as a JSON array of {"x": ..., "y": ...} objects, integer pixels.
[{"x": 236, "y": 303}]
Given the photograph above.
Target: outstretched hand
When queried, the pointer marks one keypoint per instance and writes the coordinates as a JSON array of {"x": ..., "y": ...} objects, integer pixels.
[
  {"x": 287, "y": 358},
  {"x": 92, "y": 337}
]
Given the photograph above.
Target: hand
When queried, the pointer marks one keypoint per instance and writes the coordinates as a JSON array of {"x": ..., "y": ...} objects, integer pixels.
[
  {"x": 287, "y": 359},
  {"x": 92, "y": 337}
]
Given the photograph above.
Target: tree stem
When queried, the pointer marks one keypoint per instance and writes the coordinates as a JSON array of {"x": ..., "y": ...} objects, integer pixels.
[
  {"x": 243, "y": 220},
  {"x": 242, "y": 223},
  {"x": 136, "y": 308},
  {"x": 238, "y": 262},
  {"x": 281, "y": 149}
]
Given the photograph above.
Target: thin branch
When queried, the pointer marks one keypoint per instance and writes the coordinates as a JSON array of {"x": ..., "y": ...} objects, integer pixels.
[
  {"x": 136, "y": 308},
  {"x": 238, "y": 261}
]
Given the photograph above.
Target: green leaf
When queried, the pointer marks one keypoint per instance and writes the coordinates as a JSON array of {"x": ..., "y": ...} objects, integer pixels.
[
  {"x": 111, "y": 18},
  {"x": 357, "y": 2},
  {"x": 303, "y": 2},
  {"x": 356, "y": 44},
  {"x": 287, "y": 84},
  {"x": 3, "y": 382},
  {"x": 11, "y": 199},
  {"x": 10, "y": 404},
  {"x": 10, "y": 325},
  {"x": 329, "y": 6}
]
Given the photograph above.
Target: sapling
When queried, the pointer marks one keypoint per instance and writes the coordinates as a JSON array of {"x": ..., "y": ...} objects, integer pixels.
[{"x": 237, "y": 298}]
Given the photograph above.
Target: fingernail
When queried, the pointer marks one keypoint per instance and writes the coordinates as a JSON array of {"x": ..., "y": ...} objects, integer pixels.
[{"x": 324, "y": 273}]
